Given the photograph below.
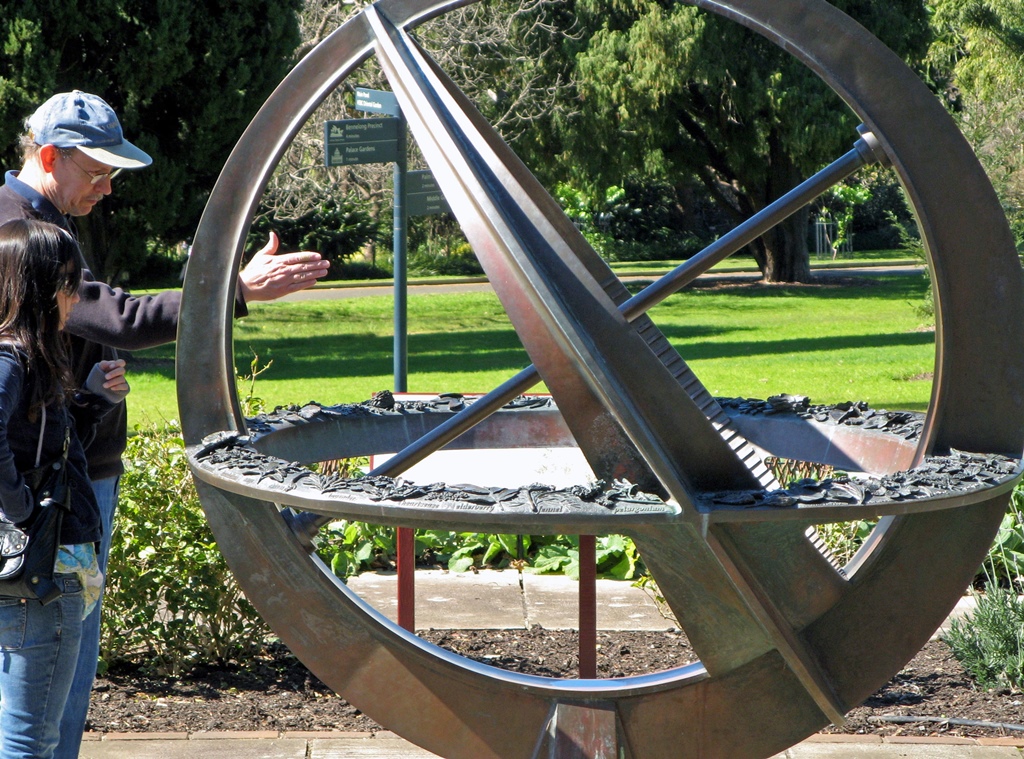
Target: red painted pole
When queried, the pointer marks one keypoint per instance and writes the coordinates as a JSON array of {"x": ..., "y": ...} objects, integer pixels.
[
  {"x": 588, "y": 607},
  {"x": 405, "y": 546}
]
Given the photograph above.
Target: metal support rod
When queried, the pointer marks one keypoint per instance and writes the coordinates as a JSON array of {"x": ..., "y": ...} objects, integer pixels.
[
  {"x": 588, "y": 607},
  {"x": 865, "y": 151},
  {"x": 405, "y": 547},
  {"x": 738, "y": 238},
  {"x": 404, "y": 536}
]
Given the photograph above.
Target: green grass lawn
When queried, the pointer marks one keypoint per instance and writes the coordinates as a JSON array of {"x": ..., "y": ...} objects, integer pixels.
[{"x": 832, "y": 343}]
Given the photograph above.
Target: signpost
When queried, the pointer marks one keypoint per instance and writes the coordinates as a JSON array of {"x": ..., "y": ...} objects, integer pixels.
[
  {"x": 356, "y": 141},
  {"x": 423, "y": 195},
  {"x": 377, "y": 101}
]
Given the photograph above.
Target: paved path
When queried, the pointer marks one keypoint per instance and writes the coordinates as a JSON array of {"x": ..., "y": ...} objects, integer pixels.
[
  {"x": 329, "y": 291},
  {"x": 387, "y": 746},
  {"x": 490, "y": 599}
]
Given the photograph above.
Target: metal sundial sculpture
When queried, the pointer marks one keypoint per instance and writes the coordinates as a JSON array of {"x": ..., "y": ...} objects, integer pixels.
[{"x": 787, "y": 640}]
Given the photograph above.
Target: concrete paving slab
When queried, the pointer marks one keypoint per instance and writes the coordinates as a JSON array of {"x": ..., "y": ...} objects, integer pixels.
[
  {"x": 449, "y": 600},
  {"x": 277, "y": 748},
  {"x": 493, "y": 599},
  {"x": 375, "y": 748},
  {"x": 389, "y": 747},
  {"x": 812, "y": 750},
  {"x": 963, "y": 608},
  {"x": 552, "y": 601}
]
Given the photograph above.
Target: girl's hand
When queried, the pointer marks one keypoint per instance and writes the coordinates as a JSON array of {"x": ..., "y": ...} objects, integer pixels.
[
  {"x": 113, "y": 375},
  {"x": 107, "y": 379}
]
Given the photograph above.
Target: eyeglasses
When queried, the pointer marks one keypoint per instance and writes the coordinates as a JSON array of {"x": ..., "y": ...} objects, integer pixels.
[{"x": 97, "y": 177}]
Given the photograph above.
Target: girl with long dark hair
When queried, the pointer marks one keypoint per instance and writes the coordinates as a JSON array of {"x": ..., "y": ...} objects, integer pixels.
[{"x": 40, "y": 271}]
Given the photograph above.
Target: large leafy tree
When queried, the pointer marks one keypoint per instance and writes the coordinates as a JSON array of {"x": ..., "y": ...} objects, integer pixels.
[
  {"x": 185, "y": 77},
  {"x": 979, "y": 51},
  {"x": 673, "y": 92}
]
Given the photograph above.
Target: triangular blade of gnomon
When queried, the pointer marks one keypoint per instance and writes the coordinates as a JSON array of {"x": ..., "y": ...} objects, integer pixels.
[
  {"x": 569, "y": 241},
  {"x": 627, "y": 410}
]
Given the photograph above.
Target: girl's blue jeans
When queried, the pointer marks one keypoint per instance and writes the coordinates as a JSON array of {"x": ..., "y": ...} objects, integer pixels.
[
  {"x": 77, "y": 710},
  {"x": 38, "y": 654}
]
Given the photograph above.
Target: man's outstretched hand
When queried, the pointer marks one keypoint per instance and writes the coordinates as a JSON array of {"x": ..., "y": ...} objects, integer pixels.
[{"x": 269, "y": 276}]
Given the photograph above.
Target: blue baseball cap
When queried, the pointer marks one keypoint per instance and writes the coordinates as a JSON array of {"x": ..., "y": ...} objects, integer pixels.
[{"x": 80, "y": 120}]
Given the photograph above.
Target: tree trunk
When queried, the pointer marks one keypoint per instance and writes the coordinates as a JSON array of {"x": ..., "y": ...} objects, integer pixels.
[
  {"x": 786, "y": 257},
  {"x": 370, "y": 248},
  {"x": 90, "y": 234}
]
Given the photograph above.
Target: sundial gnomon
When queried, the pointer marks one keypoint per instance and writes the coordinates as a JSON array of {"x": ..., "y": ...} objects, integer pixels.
[{"x": 787, "y": 640}]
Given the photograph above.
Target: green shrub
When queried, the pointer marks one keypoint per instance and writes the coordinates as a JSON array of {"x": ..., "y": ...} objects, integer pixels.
[
  {"x": 171, "y": 601},
  {"x": 639, "y": 221},
  {"x": 445, "y": 260},
  {"x": 989, "y": 643},
  {"x": 362, "y": 270},
  {"x": 336, "y": 227}
]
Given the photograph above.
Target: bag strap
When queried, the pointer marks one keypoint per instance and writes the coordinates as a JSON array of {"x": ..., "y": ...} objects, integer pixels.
[
  {"x": 39, "y": 447},
  {"x": 62, "y": 466}
]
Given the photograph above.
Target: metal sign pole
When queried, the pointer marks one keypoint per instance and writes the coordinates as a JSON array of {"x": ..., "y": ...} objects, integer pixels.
[
  {"x": 405, "y": 537},
  {"x": 400, "y": 247},
  {"x": 356, "y": 141}
]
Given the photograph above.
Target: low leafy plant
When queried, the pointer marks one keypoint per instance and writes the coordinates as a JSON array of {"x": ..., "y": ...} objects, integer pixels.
[
  {"x": 352, "y": 547},
  {"x": 1005, "y": 561},
  {"x": 171, "y": 601},
  {"x": 349, "y": 548},
  {"x": 989, "y": 643},
  {"x": 844, "y": 539},
  {"x": 617, "y": 557}
]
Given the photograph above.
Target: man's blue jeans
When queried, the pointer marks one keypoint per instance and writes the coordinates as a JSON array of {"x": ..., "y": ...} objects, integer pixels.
[
  {"x": 73, "y": 723},
  {"x": 38, "y": 654}
]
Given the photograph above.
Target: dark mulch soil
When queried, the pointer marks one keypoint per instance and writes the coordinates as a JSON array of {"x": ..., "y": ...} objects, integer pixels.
[{"x": 279, "y": 693}]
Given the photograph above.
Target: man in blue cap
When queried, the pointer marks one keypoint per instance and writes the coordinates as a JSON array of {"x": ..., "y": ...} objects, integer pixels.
[
  {"x": 78, "y": 142},
  {"x": 73, "y": 149}
]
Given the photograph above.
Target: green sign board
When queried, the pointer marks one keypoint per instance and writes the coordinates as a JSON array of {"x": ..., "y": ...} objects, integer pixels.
[
  {"x": 423, "y": 196},
  {"x": 377, "y": 101},
  {"x": 353, "y": 141}
]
